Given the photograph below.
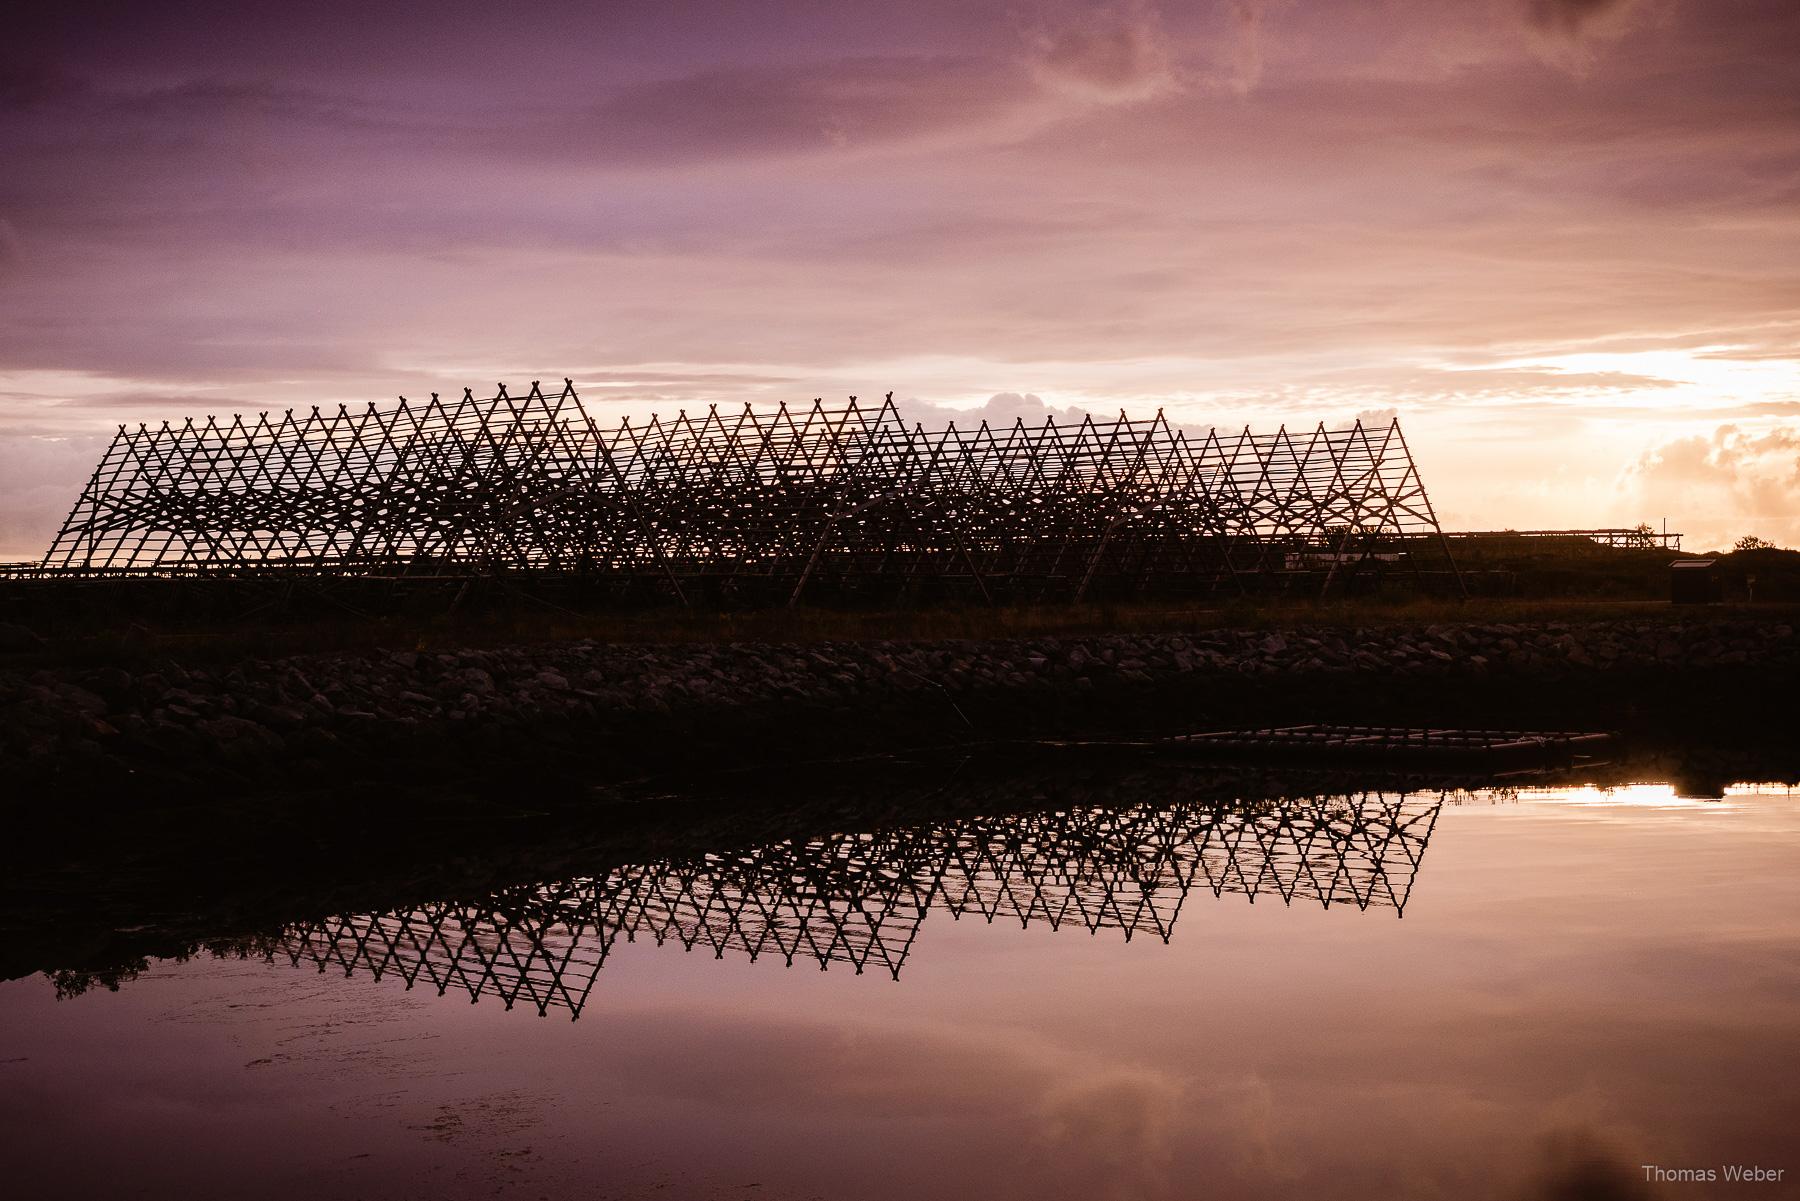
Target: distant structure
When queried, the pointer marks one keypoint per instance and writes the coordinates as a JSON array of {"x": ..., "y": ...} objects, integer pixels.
[
  {"x": 1638, "y": 537},
  {"x": 758, "y": 507},
  {"x": 860, "y": 899}
]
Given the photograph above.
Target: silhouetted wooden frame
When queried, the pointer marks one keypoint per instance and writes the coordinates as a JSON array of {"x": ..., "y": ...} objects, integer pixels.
[{"x": 760, "y": 507}]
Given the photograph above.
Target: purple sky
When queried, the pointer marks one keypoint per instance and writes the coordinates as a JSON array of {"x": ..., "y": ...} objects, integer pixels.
[{"x": 1560, "y": 237}]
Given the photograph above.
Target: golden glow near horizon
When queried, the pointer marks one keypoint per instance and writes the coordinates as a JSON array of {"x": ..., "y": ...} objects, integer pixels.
[
  {"x": 1691, "y": 384},
  {"x": 1633, "y": 796}
]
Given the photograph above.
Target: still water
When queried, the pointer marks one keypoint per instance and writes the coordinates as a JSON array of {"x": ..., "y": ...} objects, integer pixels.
[{"x": 1359, "y": 994}]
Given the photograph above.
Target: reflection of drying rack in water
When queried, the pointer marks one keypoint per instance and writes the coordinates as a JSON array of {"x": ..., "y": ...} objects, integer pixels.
[{"x": 861, "y": 898}]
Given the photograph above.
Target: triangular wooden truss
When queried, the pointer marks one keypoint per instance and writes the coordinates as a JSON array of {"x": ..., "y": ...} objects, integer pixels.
[{"x": 839, "y": 501}]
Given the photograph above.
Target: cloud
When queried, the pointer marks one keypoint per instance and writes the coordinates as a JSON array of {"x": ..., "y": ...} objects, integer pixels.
[
  {"x": 999, "y": 410},
  {"x": 1083, "y": 1114},
  {"x": 1247, "y": 54},
  {"x": 1575, "y": 18},
  {"x": 1734, "y": 481},
  {"x": 1764, "y": 408},
  {"x": 1110, "y": 53},
  {"x": 1101, "y": 57},
  {"x": 1112, "y": 1131},
  {"x": 1568, "y": 33},
  {"x": 773, "y": 112},
  {"x": 43, "y": 478},
  {"x": 1506, "y": 383}
]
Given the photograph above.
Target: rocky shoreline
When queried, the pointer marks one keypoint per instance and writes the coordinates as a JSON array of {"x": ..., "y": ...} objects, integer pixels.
[{"x": 634, "y": 705}]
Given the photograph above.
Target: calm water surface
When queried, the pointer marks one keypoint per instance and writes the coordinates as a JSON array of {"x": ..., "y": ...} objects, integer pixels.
[{"x": 1381, "y": 996}]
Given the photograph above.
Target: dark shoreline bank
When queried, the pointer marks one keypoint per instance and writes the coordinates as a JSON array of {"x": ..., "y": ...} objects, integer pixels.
[{"x": 583, "y": 711}]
